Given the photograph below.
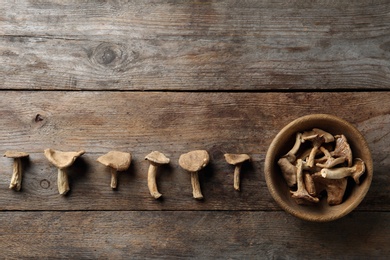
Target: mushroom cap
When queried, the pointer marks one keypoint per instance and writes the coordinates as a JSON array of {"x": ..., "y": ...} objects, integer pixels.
[
  {"x": 157, "y": 158},
  {"x": 317, "y": 133},
  {"x": 62, "y": 159},
  {"x": 235, "y": 159},
  {"x": 15, "y": 154},
  {"x": 119, "y": 161},
  {"x": 335, "y": 188},
  {"x": 289, "y": 171},
  {"x": 194, "y": 161},
  {"x": 360, "y": 166},
  {"x": 343, "y": 149},
  {"x": 327, "y": 136}
]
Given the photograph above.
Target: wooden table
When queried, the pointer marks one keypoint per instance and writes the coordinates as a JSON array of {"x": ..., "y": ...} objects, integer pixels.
[{"x": 175, "y": 76}]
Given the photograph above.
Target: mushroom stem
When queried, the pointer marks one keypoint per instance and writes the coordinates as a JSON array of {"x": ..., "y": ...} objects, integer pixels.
[
  {"x": 291, "y": 155},
  {"x": 313, "y": 152},
  {"x": 16, "y": 180},
  {"x": 62, "y": 182},
  {"x": 114, "y": 178},
  {"x": 196, "y": 192},
  {"x": 301, "y": 192},
  {"x": 300, "y": 183},
  {"x": 331, "y": 162},
  {"x": 338, "y": 173},
  {"x": 236, "y": 182},
  {"x": 318, "y": 139},
  {"x": 152, "y": 171},
  {"x": 309, "y": 184},
  {"x": 327, "y": 161}
]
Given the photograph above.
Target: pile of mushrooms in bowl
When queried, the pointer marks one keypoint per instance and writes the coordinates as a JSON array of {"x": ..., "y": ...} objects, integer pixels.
[{"x": 318, "y": 167}]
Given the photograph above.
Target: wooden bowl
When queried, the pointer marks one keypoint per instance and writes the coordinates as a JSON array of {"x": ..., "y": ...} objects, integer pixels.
[{"x": 284, "y": 141}]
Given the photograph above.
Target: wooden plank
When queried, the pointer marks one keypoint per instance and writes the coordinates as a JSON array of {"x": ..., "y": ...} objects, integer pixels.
[
  {"x": 173, "y": 123},
  {"x": 204, "y": 235},
  {"x": 191, "y": 45}
]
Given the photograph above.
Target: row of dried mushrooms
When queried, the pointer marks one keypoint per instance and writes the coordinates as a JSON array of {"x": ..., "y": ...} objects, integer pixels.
[
  {"x": 323, "y": 165},
  {"x": 192, "y": 162}
]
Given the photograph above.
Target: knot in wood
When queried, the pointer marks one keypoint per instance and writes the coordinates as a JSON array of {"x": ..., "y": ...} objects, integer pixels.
[
  {"x": 107, "y": 56},
  {"x": 38, "y": 118},
  {"x": 113, "y": 56},
  {"x": 45, "y": 184}
]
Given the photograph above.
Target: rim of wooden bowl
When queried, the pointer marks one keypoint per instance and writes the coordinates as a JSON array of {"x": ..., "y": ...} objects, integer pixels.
[{"x": 283, "y": 141}]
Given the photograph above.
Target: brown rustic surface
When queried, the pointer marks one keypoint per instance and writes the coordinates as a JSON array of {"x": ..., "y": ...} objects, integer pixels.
[
  {"x": 175, "y": 76},
  {"x": 186, "y": 234},
  {"x": 195, "y": 45}
]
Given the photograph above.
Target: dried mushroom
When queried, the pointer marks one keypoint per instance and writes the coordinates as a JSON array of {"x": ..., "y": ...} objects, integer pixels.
[
  {"x": 323, "y": 167},
  {"x": 317, "y": 137},
  {"x": 342, "y": 149},
  {"x": 289, "y": 171},
  {"x": 62, "y": 160},
  {"x": 291, "y": 155},
  {"x": 16, "y": 180},
  {"x": 193, "y": 162},
  {"x": 156, "y": 159},
  {"x": 117, "y": 161},
  {"x": 301, "y": 193},
  {"x": 237, "y": 160},
  {"x": 338, "y": 173},
  {"x": 328, "y": 161},
  {"x": 309, "y": 184},
  {"x": 335, "y": 189}
]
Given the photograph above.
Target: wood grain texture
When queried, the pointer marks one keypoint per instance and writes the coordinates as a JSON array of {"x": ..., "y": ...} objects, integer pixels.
[
  {"x": 201, "y": 235},
  {"x": 194, "y": 45},
  {"x": 173, "y": 123},
  {"x": 73, "y": 76}
]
